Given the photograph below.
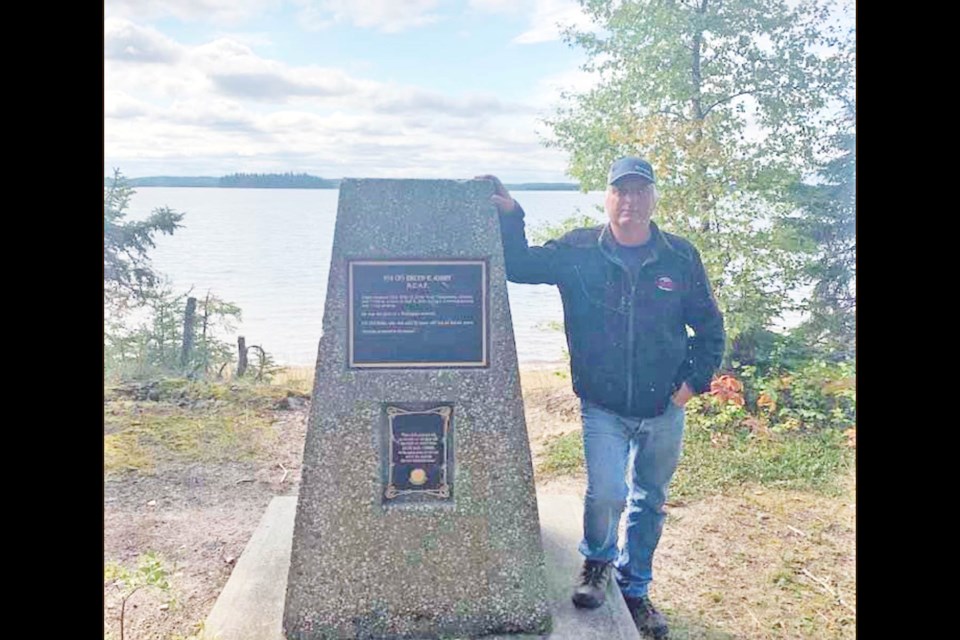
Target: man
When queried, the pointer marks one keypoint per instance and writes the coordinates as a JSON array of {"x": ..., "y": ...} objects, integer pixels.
[{"x": 629, "y": 293}]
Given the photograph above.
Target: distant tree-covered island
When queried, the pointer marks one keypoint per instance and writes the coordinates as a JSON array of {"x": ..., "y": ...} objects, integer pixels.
[
  {"x": 276, "y": 181},
  {"x": 291, "y": 180},
  {"x": 169, "y": 181}
]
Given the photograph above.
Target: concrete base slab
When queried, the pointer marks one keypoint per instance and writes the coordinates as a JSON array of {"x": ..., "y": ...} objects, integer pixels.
[{"x": 250, "y": 607}]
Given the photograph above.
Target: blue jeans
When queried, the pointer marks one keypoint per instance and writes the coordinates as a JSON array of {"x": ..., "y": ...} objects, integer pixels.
[{"x": 649, "y": 449}]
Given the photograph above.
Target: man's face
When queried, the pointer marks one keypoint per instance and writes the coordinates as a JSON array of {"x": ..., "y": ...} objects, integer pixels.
[{"x": 629, "y": 203}]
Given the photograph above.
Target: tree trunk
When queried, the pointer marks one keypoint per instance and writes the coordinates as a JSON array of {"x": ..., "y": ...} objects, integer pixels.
[
  {"x": 188, "y": 319},
  {"x": 242, "y": 360}
]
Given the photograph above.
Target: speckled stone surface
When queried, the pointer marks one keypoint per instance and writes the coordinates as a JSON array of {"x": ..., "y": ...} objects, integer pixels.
[{"x": 467, "y": 567}]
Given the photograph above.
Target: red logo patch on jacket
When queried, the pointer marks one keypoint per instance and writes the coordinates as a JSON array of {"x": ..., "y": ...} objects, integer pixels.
[{"x": 666, "y": 283}]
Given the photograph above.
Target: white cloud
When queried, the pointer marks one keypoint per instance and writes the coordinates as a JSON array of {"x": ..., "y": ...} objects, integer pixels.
[
  {"x": 216, "y": 114},
  {"x": 497, "y": 6},
  {"x": 225, "y": 12},
  {"x": 268, "y": 86},
  {"x": 410, "y": 100},
  {"x": 220, "y": 107},
  {"x": 124, "y": 40},
  {"x": 235, "y": 70},
  {"x": 119, "y": 105},
  {"x": 249, "y": 38},
  {"x": 388, "y": 16},
  {"x": 547, "y": 19},
  {"x": 226, "y": 68},
  {"x": 231, "y": 69},
  {"x": 337, "y": 144}
]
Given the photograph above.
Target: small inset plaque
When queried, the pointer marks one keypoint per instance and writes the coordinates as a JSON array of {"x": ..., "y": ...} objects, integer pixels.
[{"x": 418, "y": 455}]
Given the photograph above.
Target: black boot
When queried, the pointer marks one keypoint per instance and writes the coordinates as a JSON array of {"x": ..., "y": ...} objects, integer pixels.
[
  {"x": 649, "y": 621},
  {"x": 590, "y": 592}
]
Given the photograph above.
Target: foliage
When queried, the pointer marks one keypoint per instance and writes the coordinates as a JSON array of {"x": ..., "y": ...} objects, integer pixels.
[
  {"x": 768, "y": 351},
  {"x": 825, "y": 227},
  {"x": 726, "y": 100},
  {"x": 153, "y": 346},
  {"x": 127, "y": 274},
  {"x": 144, "y": 319},
  {"x": 215, "y": 317},
  {"x": 816, "y": 396},
  {"x": 793, "y": 430},
  {"x": 149, "y": 573},
  {"x": 265, "y": 367}
]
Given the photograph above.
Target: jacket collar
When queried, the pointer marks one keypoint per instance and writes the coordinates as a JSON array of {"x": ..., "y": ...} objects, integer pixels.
[{"x": 661, "y": 244}]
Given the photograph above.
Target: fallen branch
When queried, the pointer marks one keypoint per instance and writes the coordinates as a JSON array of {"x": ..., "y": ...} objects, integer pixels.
[
  {"x": 795, "y": 530},
  {"x": 819, "y": 581},
  {"x": 280, "y": 464},
  {"x": 830, "y": 590}
]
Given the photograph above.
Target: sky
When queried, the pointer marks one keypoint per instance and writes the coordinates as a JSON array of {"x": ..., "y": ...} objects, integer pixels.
[
  {"x": 337, "y": 88},
  {"x": 340, "y": 88}
]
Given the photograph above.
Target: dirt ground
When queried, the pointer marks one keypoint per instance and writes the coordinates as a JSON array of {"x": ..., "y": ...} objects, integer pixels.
[{"x": 752, "y": 563}]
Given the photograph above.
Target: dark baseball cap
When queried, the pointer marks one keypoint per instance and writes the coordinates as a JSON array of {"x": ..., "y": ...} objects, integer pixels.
[{"x": 630, "y": 166}]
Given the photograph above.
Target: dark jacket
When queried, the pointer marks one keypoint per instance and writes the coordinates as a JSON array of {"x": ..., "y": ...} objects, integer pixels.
[{"x": 628, "y": 342}]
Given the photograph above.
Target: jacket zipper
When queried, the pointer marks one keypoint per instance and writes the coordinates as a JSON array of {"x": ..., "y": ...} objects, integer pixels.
[
  {"x": 630, "y": 321},
  {"x": 630, "y": 341}
]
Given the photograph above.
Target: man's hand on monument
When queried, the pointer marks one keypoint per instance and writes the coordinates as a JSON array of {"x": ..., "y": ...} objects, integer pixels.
[
  {"x": 683, "y": 395},
  {"x": 501, "y": 197}
]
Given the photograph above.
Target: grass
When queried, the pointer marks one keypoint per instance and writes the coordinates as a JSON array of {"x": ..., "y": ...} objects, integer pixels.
[
  {"x": 563, "y": 455},
  {"x": 710, "y": 465},
  {"x": 759, "y": 540},
  {"x": 296, "y": 378},
  {"x": 123, "y": 452},
  {"x": 807, "y": 462},
  {"x": 760, "y": 543},
  {"x": 190, "y": 422}
]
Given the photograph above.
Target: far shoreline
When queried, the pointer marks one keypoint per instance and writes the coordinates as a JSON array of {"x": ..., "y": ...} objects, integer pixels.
[
  {"x": 271, "y": 181},
  {"x": 531, "y": 366}
]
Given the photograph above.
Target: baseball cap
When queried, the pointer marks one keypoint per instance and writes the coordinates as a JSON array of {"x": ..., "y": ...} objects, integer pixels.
[{"x": 630, "y": 166}]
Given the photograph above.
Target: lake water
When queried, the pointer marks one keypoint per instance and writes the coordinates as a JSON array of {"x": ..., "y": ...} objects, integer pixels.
[{"x": 268, "y": 251}]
